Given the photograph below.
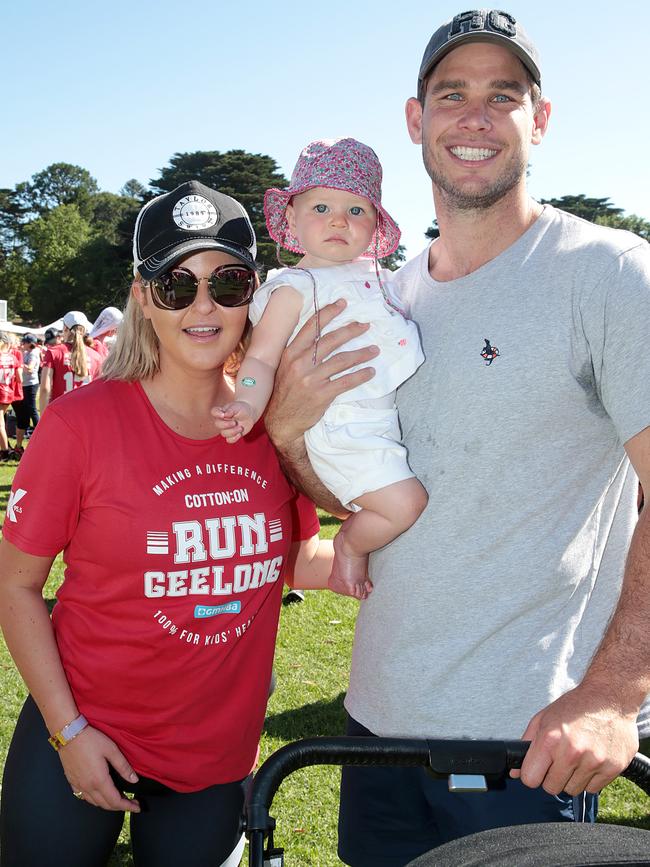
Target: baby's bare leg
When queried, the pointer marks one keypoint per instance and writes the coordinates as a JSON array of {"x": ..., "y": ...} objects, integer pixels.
[{"x": 385, "y": 514}]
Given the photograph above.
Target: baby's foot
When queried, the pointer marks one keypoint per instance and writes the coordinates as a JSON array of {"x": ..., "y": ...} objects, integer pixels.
[{"x": 349, "y": 575}]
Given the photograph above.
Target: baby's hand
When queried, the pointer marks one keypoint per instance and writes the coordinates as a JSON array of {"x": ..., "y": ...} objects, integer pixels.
[
  {"x": 233, "y": 420},
  {"x": 349, "y": 575}
]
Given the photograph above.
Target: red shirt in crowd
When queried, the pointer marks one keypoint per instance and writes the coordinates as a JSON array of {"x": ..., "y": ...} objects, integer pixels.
[
  {"x": 101, "y": 348},
  {"x": 174, "y": 552},
  {"x": 57, "y": 358},
  {"x": 18, "y": 381},
  {"x": 9, "y": 367}
]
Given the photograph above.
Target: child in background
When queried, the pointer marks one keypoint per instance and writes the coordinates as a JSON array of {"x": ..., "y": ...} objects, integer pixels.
[{"x": 332, "y": 214}]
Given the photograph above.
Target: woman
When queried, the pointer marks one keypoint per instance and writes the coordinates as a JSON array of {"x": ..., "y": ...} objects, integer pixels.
[
  {"x": 154, "y": 677},
  {"x": 71, "y": 363},
  {"x": 10, "y": 386},
  {"x": 104, "y": 330},
  {"x": 25, "y": 408}
]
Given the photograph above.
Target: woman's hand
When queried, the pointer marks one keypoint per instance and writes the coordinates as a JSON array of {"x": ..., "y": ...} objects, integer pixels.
[{"x": 86, "y": 761}]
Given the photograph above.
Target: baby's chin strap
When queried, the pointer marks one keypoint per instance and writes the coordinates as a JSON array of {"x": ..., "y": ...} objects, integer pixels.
[
  {"x": 387, "y": 298},
  {"x": 314, "y": 358}
]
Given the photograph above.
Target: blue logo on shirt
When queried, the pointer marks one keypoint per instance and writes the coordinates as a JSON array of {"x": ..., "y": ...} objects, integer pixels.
[{"x": 213, "y": 610}]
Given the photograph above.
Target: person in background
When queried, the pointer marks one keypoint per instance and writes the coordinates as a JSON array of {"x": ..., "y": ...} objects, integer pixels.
[
  {"x": 104, "y": 331},
  {"x": 518, "y": 605},
  {"x": 71, "y": 363},
  {"x": 52, "y": 337},
  {"x": 17, "y": 351},
  {"x": 10, "y": 368},
  {"x": 25, "y": 409},
  {"x": 152, "y": 677}
]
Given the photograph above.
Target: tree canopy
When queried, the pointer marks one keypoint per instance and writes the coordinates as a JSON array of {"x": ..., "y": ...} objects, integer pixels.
[
  {"x": 63, "y": 244},
  {"x": 58, "y": 184}
]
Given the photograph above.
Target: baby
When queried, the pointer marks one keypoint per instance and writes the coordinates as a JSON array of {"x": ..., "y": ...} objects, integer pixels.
[{"x": 332, "y": 214}]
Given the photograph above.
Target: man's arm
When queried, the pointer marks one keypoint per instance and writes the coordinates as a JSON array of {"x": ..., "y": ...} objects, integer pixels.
[
  {"x": 588, "y": 736},
  {"x": 303, "y": 391}
]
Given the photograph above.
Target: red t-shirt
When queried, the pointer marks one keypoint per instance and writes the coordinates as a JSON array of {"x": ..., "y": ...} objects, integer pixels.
[
  {"x": 57, "y": 358},
  {"x": 102, "y": 349},
  {"x": 8, "y": 374},
  {"x": 174, "y": 551},
  {"x": 18, "y": 382}
]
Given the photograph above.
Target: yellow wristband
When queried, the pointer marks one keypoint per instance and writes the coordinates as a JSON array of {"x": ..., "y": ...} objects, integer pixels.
[{"x": 67, "y": 733}]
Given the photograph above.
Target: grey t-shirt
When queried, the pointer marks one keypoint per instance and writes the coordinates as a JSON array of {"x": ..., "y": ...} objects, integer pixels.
[
  {"x": 536, "y": 373},
  {"x": 31, "y": 356}
]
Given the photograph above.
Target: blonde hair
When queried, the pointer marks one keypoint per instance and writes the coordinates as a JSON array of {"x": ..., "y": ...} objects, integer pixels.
[
  {"x": 78, "y": 357},
  {"x": 135, "y": 354}
]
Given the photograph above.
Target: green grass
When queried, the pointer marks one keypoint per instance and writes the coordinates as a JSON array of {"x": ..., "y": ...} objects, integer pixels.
[{"x": 311, "y": 667}]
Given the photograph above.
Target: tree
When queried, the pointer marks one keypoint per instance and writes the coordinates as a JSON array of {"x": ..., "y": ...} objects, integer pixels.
[
  {"x": 602, "y": 212},
  {"x": 15, "y": 283},
  {"x": 55, "y": 239},
  {"x": 108, "y": 212},
  {"x": 102, "y": 268},
  {"x": 239, "y": 174},
  {"x": 14, "y": 272},
  {"x": 394, "y": 260},
  {"x": 433, "y": 231},
  {"x": 631, "y": 223},
  {"x": 12, "y": 215},
  {"x": 65, "y": 245},
  {"x": 582, "y": 206},
  {"x": 133, "y": 189},
  {"x": 58, "y": 184}
]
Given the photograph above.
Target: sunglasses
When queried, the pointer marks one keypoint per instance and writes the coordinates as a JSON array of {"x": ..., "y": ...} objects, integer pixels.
[{"x": 229, "y": 286}]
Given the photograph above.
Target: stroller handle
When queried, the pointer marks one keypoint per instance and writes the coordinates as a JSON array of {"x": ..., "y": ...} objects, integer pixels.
[{"x": 442, "y": 757}]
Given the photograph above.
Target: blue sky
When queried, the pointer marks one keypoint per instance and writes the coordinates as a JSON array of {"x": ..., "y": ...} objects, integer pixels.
[{"x": 119, "y": 87}]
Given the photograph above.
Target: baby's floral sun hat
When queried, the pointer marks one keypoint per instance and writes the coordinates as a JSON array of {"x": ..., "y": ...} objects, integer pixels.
[{"x": 339, "y": 164}]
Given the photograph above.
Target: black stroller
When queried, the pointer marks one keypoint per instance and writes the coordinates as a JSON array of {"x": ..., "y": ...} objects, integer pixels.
[{"x": 468, "y": 766}]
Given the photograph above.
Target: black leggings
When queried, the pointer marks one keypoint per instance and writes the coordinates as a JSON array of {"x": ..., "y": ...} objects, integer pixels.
[
  {"x": 25, "y": 409},
  {"x": 42, "y": 824}
]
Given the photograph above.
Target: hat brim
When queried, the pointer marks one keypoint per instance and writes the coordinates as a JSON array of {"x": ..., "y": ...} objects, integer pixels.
[
  {"x": 86, "y": 325},
  {"x": 156, "y": 265},
  {"x": 385, "y": 239},
  {"x": 495, "y": 39},
  {"x": 103, "y": 329}
]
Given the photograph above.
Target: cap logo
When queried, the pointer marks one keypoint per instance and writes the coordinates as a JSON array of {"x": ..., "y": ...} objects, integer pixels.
[
  {"x": 481, "y": 19},
  {"x": 194, "y": 213}
]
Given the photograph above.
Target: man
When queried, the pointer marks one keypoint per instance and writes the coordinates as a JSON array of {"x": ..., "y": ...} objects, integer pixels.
[{"x": 509, "y": 609}]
